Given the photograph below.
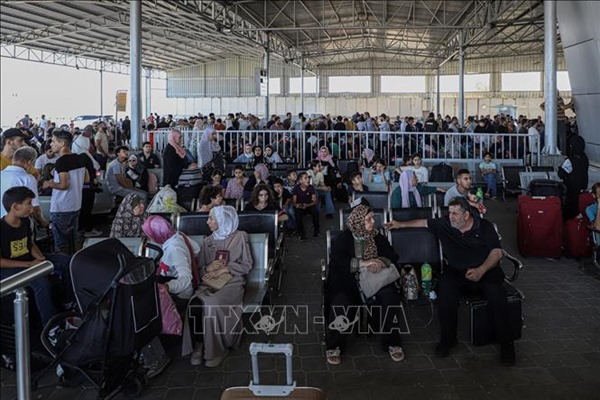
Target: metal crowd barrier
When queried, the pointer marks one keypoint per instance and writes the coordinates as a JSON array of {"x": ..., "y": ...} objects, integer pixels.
[
  {"x": 16, "y": 284},
  {"x": 392, "y": 146}
]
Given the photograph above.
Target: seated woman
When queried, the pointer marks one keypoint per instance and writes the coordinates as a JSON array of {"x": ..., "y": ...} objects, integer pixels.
[
  {"x": 263, "y": 199},
  {"x": 178, "y": 265},
  {"x": 129, "y": 218},
  {"x": 343, "y": 290},
  {"x": 235, "y": 185},
  {"x": 217, "y": 180},
  {"x": 210, "y": 330},
  {"x": 246, "y": 156},
  {"x": 261, "y": 175},
  {"x": 137, "y": 173},
  {"x": 210, "y": 196},
  {"x": 367, "y": 159},
  {"x": 410, "y": 193},
  {"x": 258, "y": 158},
  {"x": 378, "y": 173}
]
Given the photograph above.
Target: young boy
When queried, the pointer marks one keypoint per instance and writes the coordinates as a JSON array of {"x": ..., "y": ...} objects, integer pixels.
[
  {"x": 318, "y": 181},
  {"x": 305, "y": 202},
  {"x": 357, "y": 184},
  {"x": 19, "y": 251},
  {"x": 488, "y": 170},
  {"x": 284, "y": 199},
  {"x": 292, "y": 180}
]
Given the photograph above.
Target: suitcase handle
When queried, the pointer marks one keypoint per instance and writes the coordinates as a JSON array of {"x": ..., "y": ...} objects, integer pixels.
[{"x": 271, "y": 348}]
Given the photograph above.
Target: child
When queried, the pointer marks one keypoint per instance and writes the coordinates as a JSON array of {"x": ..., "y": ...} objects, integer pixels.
[
  {"x": 378, "y": 174},
  {"x": 357, "y": 184},
  {"x": 318, "y": 181},
  {"x": 305, "y": 202},
  {"x": 235, "y": 186},
  {"x": 292, "y": 180},
  {"x": 20, "y": 252},
  {"x": 488, "y": 170}
]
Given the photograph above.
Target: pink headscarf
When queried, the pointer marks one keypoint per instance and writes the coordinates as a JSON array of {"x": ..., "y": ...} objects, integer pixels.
[
  {"x": 173, "y": 136},
  {"x": 263, "y": 171},
  {"x": 406, "y": 187},
  {"x": 324, "y": 157},
  {"x": 158, "y": 229}
]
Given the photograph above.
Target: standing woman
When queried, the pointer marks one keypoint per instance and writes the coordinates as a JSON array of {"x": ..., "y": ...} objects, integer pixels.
[
  {"x": 174, "y": 160},
  {"x": 210, "y": 156},
  {"x": 225, "y": 251},
  {"x": 574, "y": 173}
]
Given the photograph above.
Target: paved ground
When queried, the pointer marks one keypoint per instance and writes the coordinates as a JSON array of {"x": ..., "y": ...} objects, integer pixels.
[{"x": 558, "y": 356}]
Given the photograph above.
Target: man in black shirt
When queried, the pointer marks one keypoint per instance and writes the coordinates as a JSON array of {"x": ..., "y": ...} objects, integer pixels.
[
  {"x": 431, "y": 124},
  {"x": 472, "y": 248},
  {"x": 148, "y": 157}
]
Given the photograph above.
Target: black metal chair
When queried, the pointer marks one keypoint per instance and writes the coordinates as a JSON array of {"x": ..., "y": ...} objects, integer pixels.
[
  {"x": 407, "y": 214},
  {"x": 510, "y": 178},
  {"x": 375, "y": 199},
  {"x": 192, "y": 223}
]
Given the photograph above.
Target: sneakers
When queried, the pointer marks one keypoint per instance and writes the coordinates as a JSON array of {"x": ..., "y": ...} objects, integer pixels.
[
  {"x": 442, "y": 349},
  {"x": 92, "y": 233},
  {"x": 333, "y": 356},
  {"x": 215, "y": 362},
  {"x": 507, "y": 354},
  {"x": 196, "y": 358},
  {"x": 156, "y": 368},
  {"x": 396, "y": 353}
]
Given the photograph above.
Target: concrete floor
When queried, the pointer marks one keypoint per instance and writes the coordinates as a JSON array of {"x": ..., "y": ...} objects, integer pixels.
[{"x": 558, "y": 356}]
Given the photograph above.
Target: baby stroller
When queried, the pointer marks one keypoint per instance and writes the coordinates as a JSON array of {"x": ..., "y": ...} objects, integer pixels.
[{"x": 117, "y": 314}]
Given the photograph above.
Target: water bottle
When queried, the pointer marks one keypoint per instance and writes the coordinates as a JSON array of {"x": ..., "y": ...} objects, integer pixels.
[
  {"x": 479, "y": 194},
  {"x": 426, "y": 273}
]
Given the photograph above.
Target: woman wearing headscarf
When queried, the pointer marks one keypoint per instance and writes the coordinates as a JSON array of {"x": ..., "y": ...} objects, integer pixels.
[
  {"x": 360, "y": 246},
  {"x": 225, "y": 252},
  {"x": 246, "y": 156},
  {"x": 258, "y": 157},
  {"x": 368, "y": 158},
  {"x": 406, "y": 195},
  {"x": 574, "y": 173},
  {"x": 129, "y": 218},
  {"x": 174, "y": 159},
  {"x": 261, "y": 175},
  {"x": 210, "y": 156},
  {"x": 137, "y": 173},
  {"x": 179, "y": 261}
]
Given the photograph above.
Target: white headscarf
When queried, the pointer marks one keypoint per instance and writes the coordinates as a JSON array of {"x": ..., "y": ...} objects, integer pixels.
[
  {"x": 81, "y": 145},
  {"x": 227, "y": 221},
  {"x": 206, "y": 147}
]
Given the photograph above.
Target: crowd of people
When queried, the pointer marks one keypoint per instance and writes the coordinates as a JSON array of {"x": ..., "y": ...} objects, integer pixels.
[{"x": 68, "y": 166}]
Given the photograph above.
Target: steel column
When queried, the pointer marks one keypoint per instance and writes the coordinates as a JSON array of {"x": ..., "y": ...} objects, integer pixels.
[
  {"x": 438, "y": 99},
  {"x": 550, "y": 76},
  {"x": 266, "y": 60},
  {"x": 22, "y": 344},
  {"x": 461, "y": 86},
  {"x": 302, "y": 86},
  {"x": 102, "y": 90},
  {"x": 135, "y": 62},
  {"x": 148, "y": 92}
]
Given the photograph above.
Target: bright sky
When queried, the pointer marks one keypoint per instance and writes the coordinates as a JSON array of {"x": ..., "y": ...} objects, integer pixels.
[{"x": 62, "y": 93}]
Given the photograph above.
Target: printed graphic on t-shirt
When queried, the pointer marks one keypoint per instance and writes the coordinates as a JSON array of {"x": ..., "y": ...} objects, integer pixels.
[{"x": 18, "y": 247}]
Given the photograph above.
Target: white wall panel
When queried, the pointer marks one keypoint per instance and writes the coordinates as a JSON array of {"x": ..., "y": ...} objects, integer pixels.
[{"x": 471, "y": 107}]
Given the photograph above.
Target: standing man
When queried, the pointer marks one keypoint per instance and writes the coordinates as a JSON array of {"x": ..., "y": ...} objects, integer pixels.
[
  {"x": 561, "y": 121},
  {"x": 101, "y": 142},
  {"x": 43, "y": 124},
  {"x": 126, "y": 128},
  {"x": 67, "y": 187},
  {"x": 472, "y": 248}
]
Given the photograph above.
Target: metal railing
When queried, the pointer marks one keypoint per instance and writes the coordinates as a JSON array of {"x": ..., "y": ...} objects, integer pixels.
[
  {"x": 391, "y": 146},
  {"x": 16, "y": 284}
]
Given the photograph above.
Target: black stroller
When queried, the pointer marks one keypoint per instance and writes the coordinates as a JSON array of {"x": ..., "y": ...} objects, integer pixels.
[{"x": 118, "y": 313}]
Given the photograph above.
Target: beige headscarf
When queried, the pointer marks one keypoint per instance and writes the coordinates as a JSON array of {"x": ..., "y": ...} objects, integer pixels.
[{"x": 356, "y": 223}]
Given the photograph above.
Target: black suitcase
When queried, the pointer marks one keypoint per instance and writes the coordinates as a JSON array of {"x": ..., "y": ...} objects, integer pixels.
[
  {"x": 482, "y": 330},
  {"x": 546, "y": 188},
  {"x": 441, "y": 172}
]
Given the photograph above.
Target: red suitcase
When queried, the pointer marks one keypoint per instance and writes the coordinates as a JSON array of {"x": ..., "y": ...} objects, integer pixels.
[
  {"x": 578, "y": 235},
  {"x": 585, "y": 199},
  {"x": 539, "y": 226}
]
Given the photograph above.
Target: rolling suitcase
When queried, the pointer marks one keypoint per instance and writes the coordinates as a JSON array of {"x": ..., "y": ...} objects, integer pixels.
[
  {"x": 539, "y": 226},
  {"x": 577, "y": 237},
  {"x": 546, "y": 188},
  {"x": 482, "y": 328},
  {"x": 288, "y": 391}
]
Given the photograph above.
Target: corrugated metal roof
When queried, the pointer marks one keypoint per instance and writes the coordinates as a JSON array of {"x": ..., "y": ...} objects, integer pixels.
[{"x": 326, "y": 33}]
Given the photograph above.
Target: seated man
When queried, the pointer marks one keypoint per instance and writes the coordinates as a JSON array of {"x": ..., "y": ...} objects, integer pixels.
[
  {"x": 116, "y": 176},
  {"x": 147, "y": 156},
  {"x": 19, "y": 251},
  {"x": 472, "y": 248}
]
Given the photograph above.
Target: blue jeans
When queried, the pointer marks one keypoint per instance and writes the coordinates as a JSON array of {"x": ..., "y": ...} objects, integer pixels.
[
  {"x": 329, "y": 208},
  {"x": 42, "y": 293},
  {"x": 490, "y": 181},
  {"x": 64, "y": 229}
]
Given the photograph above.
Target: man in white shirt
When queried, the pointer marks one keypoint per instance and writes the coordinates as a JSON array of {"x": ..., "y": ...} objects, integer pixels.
[
  {"x": 16, "y": 175},
  {"x": 67, "y": 188}
]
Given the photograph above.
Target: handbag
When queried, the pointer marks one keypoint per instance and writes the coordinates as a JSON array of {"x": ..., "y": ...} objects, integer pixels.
[
  {"x": 410, "y": 283},
  {"x": 171, "y": 320},
  {"x": 371, "y": 282},
  {"x": 218, "y": 282}
]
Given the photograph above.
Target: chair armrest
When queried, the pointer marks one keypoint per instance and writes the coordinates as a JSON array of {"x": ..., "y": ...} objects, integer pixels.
[{"x": 517, "y": 265}]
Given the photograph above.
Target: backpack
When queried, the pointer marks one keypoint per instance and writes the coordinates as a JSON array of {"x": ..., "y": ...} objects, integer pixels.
[
  {"x": 409, "y": 282},
  {"x": 441, "y": 172}
]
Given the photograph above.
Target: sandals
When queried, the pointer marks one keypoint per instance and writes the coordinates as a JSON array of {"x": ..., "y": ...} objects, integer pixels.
[
  {"x": 396, "y": 353},
  {"x": 333, "y": 356}
]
